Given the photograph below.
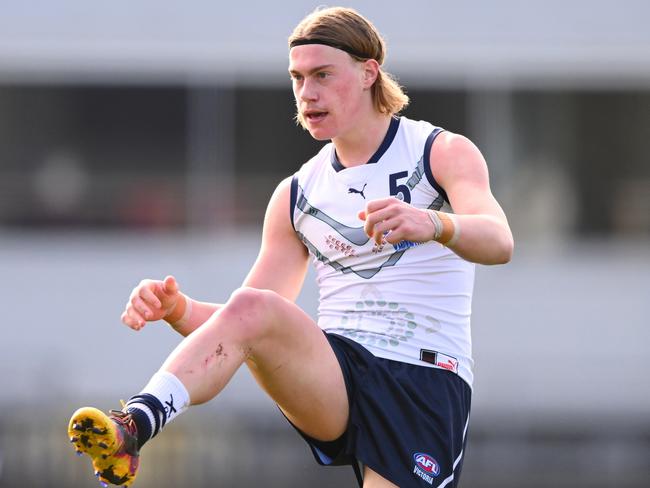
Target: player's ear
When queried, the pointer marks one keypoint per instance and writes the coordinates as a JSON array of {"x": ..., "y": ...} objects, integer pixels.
[{"x": 370, "y": 72}]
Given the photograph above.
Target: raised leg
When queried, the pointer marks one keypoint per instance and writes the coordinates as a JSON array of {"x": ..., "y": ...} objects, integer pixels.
[{"x": 285, "y": 350}]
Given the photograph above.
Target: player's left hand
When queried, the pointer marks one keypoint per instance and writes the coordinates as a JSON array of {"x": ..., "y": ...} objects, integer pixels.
[{"x": 396, "y": 221}]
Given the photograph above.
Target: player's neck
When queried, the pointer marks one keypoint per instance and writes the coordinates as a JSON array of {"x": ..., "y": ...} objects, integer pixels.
[{"x": 357, "y": 145}]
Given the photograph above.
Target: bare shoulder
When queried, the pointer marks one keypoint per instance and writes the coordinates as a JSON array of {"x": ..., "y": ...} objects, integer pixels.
[
  {"x": 278, "y": 231},
  {"x": 283, "y": 190},
  {"x": 454, "y": 156},
  {"x": 281, "y": 198},
  {"x": 282, "y": 261},
  {"x": 452, "y": 142},
  {"x": 278, "y": 212}
]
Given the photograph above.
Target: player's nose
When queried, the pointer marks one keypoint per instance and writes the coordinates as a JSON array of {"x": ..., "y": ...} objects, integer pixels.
[{"x": 308, "y": 91}]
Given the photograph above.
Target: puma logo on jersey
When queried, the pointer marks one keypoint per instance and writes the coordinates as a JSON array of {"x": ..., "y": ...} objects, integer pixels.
[{"x": 360, "y": 192}]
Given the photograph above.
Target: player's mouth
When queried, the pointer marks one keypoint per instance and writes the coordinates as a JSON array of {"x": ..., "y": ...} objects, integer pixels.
[{"x": 314, "y": 116}]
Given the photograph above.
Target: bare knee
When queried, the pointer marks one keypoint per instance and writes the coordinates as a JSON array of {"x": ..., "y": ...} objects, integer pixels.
[{"x": 250, "y": 310}]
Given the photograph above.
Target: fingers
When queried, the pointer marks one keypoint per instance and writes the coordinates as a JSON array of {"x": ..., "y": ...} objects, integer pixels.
[
  {"x": 379, "y": 203},
  {"x": 136, "y": 313},
  {"x": 395, "y": 235},
  {"x": 374, "y": 205},
  {"x": 145, "y": 309},
  {"x": 145, "y": 299},
  {"x": 148, "y": 297},
  {"x": 386, "y": 229},
  {"x": 393, "y": 220},
  {"x": 170, "y": 285},
  {"x": 146, "y": 302},
  {"x": 132, "y": 319},
  {"x": 376, "y": 217},
  {"x": 368, "y": 228}
]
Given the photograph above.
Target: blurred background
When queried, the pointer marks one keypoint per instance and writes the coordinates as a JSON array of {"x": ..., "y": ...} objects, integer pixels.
[{"x": 144, "y": 138}]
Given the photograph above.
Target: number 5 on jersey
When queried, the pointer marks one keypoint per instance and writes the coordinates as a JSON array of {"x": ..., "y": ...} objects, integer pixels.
[{"x": 399, "y": 191}]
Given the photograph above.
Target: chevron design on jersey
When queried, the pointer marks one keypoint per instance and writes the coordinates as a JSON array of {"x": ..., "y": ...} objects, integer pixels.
[
  {"x": 416, "y": 177},
  {"x": 356, "y": 235},
  {"x": 362, "y": 273}
]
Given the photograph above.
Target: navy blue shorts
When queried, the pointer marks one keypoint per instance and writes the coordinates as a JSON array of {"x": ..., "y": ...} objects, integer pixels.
[{"x": 408, "y": 423}]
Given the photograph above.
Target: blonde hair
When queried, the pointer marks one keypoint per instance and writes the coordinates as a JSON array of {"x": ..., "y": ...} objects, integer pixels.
[{"x": 346, "y": 29}]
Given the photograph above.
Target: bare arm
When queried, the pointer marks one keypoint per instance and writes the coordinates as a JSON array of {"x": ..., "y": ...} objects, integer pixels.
[
  {"x": 478, "y": 229},
  {"x": 153, "y": 300},
  {"x": 460, "y": 168},
  {"x": 281, "y": 266}
]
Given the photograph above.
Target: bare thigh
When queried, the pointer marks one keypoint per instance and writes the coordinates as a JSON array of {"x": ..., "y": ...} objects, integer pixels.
[
  {"x": 285, "y": 350},
  {"x": 373, "y": 480},
  {"x": 297, "y": 367}
]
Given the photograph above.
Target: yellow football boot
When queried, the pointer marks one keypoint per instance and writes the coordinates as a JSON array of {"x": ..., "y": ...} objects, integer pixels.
[{"x": 111, "y": 441}]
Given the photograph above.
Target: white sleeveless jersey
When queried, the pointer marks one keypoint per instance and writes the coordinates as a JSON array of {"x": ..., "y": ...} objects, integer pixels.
[{"x": 407, "y": 302}]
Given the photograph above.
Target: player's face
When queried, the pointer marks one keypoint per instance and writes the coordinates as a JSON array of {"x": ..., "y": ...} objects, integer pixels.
[{"x": 329, "y": 89}]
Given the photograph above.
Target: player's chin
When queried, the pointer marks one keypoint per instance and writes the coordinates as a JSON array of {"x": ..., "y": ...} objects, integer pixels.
[{"x": 320, "y": 133}]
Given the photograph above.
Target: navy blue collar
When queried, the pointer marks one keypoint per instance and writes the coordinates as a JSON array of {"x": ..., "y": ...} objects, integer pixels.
[{"x": 383, "y": 147}]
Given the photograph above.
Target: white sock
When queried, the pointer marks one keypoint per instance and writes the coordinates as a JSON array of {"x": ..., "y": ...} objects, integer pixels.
[
  {"x": 171, "y": 399},
  {"x": 169, "y": 390}
]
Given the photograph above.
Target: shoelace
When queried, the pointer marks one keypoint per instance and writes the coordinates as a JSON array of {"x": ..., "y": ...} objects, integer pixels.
[{"x": 125, "y": 419}]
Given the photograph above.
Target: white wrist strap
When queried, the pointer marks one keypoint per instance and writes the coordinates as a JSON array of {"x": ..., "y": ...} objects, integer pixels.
[
  {"x": 437, "y": 224},
  {"x": 438, "y": 227}
]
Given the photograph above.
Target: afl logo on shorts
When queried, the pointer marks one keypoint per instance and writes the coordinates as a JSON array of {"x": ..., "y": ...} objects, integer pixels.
[{"x": 425, "y": 467}]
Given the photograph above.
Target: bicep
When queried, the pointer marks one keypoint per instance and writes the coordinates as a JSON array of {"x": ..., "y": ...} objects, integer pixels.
[
  {"x": 281, "y": 264},
  {"x": 459, "y": 167}
]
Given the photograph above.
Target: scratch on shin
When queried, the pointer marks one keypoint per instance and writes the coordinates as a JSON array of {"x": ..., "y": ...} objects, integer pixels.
[{"x": 218, "y": 353}]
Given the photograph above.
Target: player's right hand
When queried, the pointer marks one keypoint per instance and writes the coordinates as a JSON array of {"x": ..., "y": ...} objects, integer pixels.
[{"x": 152, "y": 300}]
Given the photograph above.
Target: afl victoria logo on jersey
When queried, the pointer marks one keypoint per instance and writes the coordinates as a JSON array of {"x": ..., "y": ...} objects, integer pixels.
[{"x": 426, "y": 467}]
